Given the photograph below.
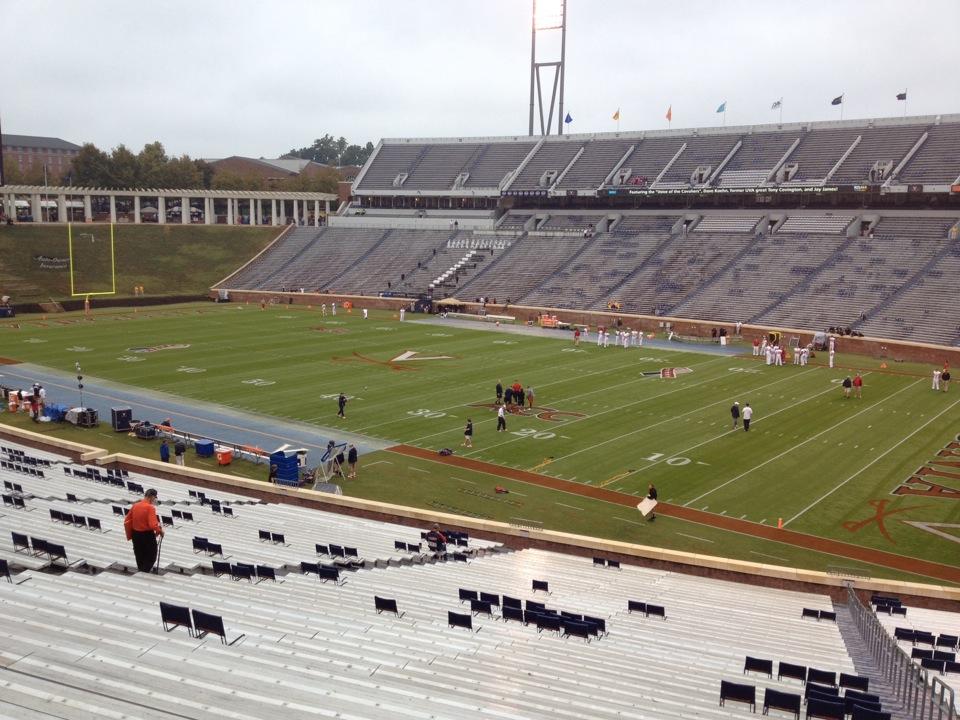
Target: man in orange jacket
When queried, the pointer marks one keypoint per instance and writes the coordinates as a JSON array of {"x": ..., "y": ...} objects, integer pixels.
[{"x": 142, "y": 526}]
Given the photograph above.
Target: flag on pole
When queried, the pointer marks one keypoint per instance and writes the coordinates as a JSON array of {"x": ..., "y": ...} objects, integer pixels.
[
  {"x": 616, "y": 115},
  {"x": 723, "y": 107},
  {"x": 777, "y": 104},
  {"x": 838, "y": 100},
  {"x": 902, "y": 96},
  {"x": 568, "y": 119},
  {"x": 670, "y": 113}
]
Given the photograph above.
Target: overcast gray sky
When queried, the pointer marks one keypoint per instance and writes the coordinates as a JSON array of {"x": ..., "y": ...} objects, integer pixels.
[{"x": 220, "y": 77}]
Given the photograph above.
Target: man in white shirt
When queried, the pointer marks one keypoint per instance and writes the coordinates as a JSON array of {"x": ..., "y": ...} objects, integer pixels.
[
  {"x": 599, "y": 336},
  {"x": 747, "y": 415},
  {"x": 323, "y": 309},
  {"x": 936, "y": 379},
  {"x": 501, "y": 419},
  {"x": 403, "y": 311},
  {"x": 364, "y": 313},
  {"x": 606, "y": 338}
]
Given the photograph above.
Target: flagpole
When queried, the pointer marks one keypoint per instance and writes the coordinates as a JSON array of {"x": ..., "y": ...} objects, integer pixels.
[
  {"x": 781, "y": 111},
  {"x": 906, "y": 94},
  {"x": 842, "y": 98}
]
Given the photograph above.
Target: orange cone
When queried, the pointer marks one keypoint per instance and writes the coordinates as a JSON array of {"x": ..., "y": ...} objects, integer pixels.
[
  {"x": 883, "y": 366},
  {"x": 779, "y": 523}
]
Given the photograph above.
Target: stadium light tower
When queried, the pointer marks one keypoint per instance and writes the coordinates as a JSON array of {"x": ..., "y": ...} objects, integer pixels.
[{"x": 548, "y": 16}]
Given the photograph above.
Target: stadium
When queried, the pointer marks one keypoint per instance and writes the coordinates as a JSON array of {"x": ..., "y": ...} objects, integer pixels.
[{"x": 631, "y": 424}]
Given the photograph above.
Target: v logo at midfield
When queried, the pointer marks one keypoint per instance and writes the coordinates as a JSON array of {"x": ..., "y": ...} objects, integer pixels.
[
  {"x": 414, "y": 355},
  {"x": 400, "y": 362}
]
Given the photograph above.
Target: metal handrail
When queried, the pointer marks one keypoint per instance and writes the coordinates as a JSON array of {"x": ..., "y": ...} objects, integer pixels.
[{"x": 919, "y": 695}]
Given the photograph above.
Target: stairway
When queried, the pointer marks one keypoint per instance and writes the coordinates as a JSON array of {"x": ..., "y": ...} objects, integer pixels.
[{"x": 865, "y": 665}]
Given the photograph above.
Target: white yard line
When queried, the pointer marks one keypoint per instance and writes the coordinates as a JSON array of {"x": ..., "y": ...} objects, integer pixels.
[
  {"x": 661, "y": 422},
  {"x": 684, "y": 451},
  {"x": 411, "y": 467},
  {"x": 572, "y": 507},
  {"x": 378, "y": 462},
  {"x": 694, "y": 537},
  {"x": 772, "y": 557},
  {"x": 618, "y": 408},
  {"x": 801, "y": 444},
  {"x": 446, "y": 393},
  {"x": 574, "y": 397},
  {"x": 871, "y": 463}
]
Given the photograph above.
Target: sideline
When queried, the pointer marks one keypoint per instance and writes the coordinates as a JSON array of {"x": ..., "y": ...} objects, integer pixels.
[{"x": 838, "y": 548}]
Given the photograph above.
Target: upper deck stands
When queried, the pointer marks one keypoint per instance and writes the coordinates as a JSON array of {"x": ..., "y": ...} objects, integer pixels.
[
  {"x": 937, "y": 161},
  {"x": 597, "y": 161},
  {"x": 883, "y": 145},
  {"x": 815, "y": 149},
  {"x": 545, "y": 166},
  {"x": 708, "y": 151}
]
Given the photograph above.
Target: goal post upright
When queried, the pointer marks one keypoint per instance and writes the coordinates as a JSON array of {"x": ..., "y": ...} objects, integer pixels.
[{"x": 113, "y": 266}]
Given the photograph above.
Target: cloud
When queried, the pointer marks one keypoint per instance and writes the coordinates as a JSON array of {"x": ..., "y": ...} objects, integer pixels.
[{"x": 225, "y": 77}]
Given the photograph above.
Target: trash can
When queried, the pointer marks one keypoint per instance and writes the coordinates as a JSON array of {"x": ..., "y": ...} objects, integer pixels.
[
  {"x": 204, "y": 448},
  {"x": 224, "y": 456}
]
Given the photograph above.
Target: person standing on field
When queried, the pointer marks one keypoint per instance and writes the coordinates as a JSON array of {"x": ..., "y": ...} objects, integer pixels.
[
  {"x": 352, "y": 461},
  {"x": 747, "y": 415},
  {"x": 735, "y": 413},
  {"x": 945, "y": 377},
  {"x": 858, "y": 386},
  {"x": 341, "y": 405},
  {"x": 530, "y": 397},
  {"x": 937, "y": 376},
  {"x": 468, "y": 433},
  {"x": 847, "y": 385},
  {"x": 499, "y": 391},
  {"x": 179, "y": 451},
  {"x": 501, "y": 419}
]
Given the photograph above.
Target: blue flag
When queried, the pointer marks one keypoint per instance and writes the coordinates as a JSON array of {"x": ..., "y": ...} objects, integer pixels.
[
  {"x": 568, "y": 119},
  {"x": 723, "y": 107},
  {"x": 838, "y": 100}
]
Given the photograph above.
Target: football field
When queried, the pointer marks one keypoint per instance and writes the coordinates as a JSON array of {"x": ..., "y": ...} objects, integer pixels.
[{"x": 881, "y": 471}]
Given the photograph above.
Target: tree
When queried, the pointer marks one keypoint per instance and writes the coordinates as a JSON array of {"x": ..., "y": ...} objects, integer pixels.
[
  {"x": 91, "y": 167},
  {"x": 356, "y": 155},
  {"x": 123, "y": 168},
  {"x": 330, "y": 151},
  {"x": 152, "y": 159}
]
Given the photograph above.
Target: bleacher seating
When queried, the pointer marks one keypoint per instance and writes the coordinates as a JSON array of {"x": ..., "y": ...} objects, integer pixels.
[
  {"x": 884, "y": 144},
  {"x": 551, "y": 157},
  {"x": 937, "y": 629},
  {"x": 348, "y": 648},
  {"x": 937, "y": 161},
  {"x": 707, "y": 151}
]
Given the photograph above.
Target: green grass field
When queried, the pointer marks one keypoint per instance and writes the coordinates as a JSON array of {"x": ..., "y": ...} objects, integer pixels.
[
  {"x": 825, "y": 464},
  {"x": 164, "y": 259}
]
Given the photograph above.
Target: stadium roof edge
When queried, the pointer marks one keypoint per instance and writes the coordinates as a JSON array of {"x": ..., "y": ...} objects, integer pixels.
[{"x": 684, "y": 132}]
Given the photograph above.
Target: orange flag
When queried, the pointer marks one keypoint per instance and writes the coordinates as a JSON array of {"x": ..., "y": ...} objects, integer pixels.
[{"x": 670, "y": 113}]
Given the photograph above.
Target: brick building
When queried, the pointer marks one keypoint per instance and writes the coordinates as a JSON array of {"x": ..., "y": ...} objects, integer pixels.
[{"x": 29, "y": 151}]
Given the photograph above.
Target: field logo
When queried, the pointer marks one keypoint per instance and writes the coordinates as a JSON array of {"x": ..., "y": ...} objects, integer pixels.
[
  {"x": 541, "y": 413},
  {"x": 400, "y": 362},
  {"x": 157, "y": 348},
  {"x": 414, "y": 355},
  {"x": 332, "y": 330},
  {"x": 667, "y": 373},
  {"x": 933, "y": 479},
  {"x": 880, "y": 514}
]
